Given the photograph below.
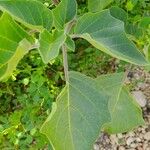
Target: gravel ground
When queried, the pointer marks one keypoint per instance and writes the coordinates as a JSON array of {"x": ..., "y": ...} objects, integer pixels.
[{"x": 139, "y": 139}]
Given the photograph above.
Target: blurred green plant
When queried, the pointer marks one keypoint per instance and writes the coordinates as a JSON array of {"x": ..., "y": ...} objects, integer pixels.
[{"x": 26, "y": 98}]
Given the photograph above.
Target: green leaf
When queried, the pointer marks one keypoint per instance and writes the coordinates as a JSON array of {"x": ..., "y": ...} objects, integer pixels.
[
  {"x": 130, "y": 5},
  {"x": 50, "y": 44},
  {"x": 119, "y": 13},
  {"x": 125, "y": 112},
  {"x": 98, "y": 5},
  {"x": 81, "y": 112},
  {"x": 64, "y": 13},
  {"x": 107, "y": 34},
  {"x": 134, "y": 30},
  {"x": 11, "y": 47},
  {"x": 29, "y": 12},
  {"x": 70, "y": 44},
  {"x": 10, "y": 66},
  {"x": 145, "y": 22}
]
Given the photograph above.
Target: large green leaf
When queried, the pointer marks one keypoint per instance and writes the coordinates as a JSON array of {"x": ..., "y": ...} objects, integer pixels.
[
  {"x": 7, "y": 68},
  {"x": 50, "y": 44},
  {"x": 11, "y": 34},
  {"x": 125, "y": 112},
  {"x": 107, "y": 34},
  {"x": 80, "y": 114},
  {"x": 29, "y": 12},
  {"x": 64, "y": 13},
  {"x": 98, "y": 5}
]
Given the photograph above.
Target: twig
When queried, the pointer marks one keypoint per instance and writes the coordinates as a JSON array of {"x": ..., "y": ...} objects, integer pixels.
[
  {"x": 69, "y": 26},
  {"x": 65, "y": 62}
]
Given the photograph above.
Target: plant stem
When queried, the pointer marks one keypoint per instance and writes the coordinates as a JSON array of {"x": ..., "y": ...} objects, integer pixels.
[
  {"x": 65, "y": 62},
  {"x": 69, "y": 26}
]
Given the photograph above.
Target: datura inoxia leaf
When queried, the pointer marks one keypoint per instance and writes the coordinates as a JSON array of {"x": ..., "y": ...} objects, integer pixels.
[
  {"x": 64, "y": 13},
  {"x": 29, "y": 12},
  {"x": 50, "y": 44},
  {"x": 81, "y": 112},
  {"x": 107, "y": 34},
  {"x": 125, "y": 112},
  {"x": 98, "y": 5},
  {"x": 13, "y": 45}
]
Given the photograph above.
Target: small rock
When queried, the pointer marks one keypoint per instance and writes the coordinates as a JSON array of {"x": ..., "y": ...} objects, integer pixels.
[
  {"x": 136, "y": 76},
  {"x": 131, "y": 133},
  {"x": 129, "y": 140},
  {"x": 121, "y": 148},
  {"x": 142, "y": 85},
  {"x": 120, "y": 136},
  {"x": 147, "y": 136},
  {"x": 133, "y": 145},
  {"x": 140, "y": 98},
  {"x": 139, "y": 148},
  {"x": 145, "y": 146},
  {"x": 138, "y": 139},
  {"x": 114, "y": 139},
  {"x": 96, "y": 147}
]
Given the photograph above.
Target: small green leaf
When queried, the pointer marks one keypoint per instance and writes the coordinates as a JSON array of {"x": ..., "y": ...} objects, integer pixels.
[
  {"x": 129, "y": 5},
  {"x": 98, "y": 5},
  {"x": 81, "y": 112},
  {"x": 64, "y": 13},
  {"x": 13, "y": 45},
  {"x": 50, "y": 44},
  {"x": 125, "y": 112},
  {"x": 107, "y": 34},
  {"x": 145, "y": 22},
  {"x": 29, "y": 12},
  {"x": 70, "y": 44}
]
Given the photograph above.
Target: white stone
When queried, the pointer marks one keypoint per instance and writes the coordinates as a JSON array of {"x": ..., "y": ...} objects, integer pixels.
[
  {"x": 140, "y": 98},
  {"x": 133, "y": 145},
  {"x": 121, "y": 148},
  {"x": 147, "y": 136},
  {"x": 120, "y": 136},
  {"x": 96, "y": 147},
  {"x": 129, "y": 140}
]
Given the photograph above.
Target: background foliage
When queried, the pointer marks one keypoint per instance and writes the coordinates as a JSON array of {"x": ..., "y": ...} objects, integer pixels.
[{"x": 26, "y": 98}]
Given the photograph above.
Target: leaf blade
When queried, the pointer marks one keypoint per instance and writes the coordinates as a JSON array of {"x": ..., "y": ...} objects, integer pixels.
[
  {"x": 69, "y": 9},
  {"x": 12, "y": 37},
  {"x": 76, "y": 110},
  {"x": 125, "y": 112},
  {"x": 98, "y": 5},
  {"x": 50, "y": 44},
  {"x": 107, "y": 34},
  {"x": 33, "y": 14}
]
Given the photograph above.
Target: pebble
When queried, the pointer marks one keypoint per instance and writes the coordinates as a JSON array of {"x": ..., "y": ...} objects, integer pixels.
[
  {"x": 129, "y": 140},
  {"x": 131, "y": 133},
  {"x": 142, "y": 85},
  {"x": 140, "y": 98},
  {"x": 139, "y": 148},
  {"x": 133, "y": 145},
  {"x": 147, "y": 136},
  {"x": 138, "y": 139},
  {"x": 136, "y": 76},
  {"x": 121, "y": 148},
  {"x": 120, "y": 136},
  {"x": 96, "y": 147}
]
